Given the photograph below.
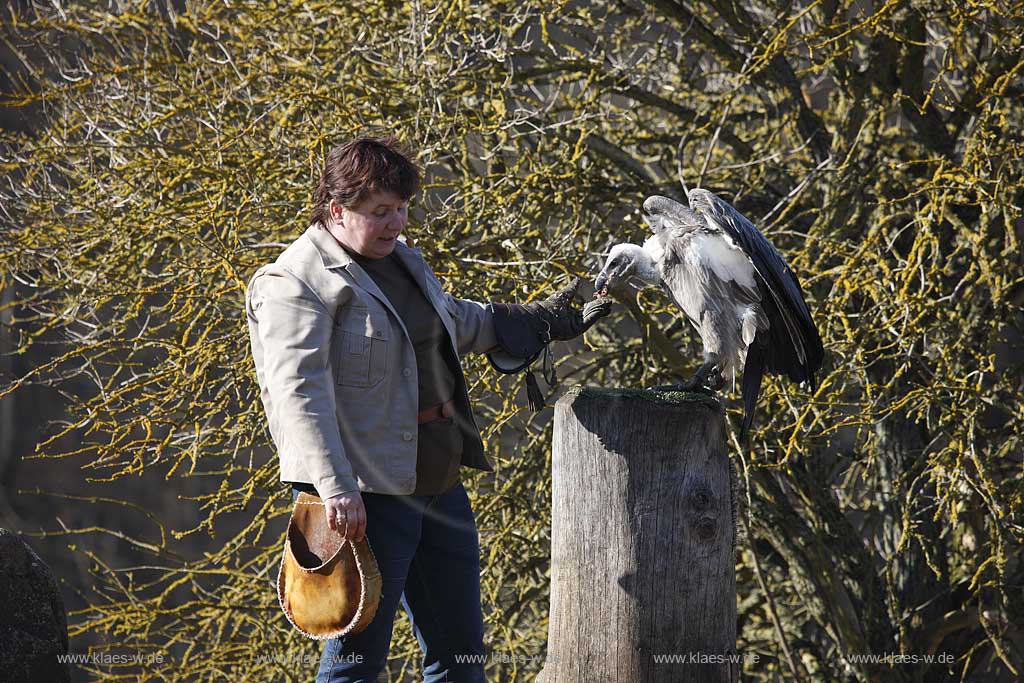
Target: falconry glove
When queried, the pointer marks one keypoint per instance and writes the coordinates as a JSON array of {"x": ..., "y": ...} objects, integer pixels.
[{"x": 525, "y": 330}]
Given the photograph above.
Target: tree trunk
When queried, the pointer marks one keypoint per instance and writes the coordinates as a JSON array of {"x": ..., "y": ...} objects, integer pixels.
[{"x": 643, "y": 584}]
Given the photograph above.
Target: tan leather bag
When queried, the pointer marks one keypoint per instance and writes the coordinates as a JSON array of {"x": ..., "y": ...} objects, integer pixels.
[{"x": 327, "y": 587}]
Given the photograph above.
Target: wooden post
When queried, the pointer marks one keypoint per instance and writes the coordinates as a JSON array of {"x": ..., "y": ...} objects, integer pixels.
[{"x": 643, "y": 583}]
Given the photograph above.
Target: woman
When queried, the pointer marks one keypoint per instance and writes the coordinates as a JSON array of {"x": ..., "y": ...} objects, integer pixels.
[{"x": 357, "y": 351}]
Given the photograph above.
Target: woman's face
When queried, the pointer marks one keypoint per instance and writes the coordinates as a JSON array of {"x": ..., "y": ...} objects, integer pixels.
[{"x": 371, "y": 227}]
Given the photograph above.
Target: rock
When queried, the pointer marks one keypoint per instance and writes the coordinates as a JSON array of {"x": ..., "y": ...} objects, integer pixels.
[{"x": 33, "y": 623}]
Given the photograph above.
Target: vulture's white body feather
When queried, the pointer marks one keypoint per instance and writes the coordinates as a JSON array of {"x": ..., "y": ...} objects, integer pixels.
[{"x": 695, "y": 267}]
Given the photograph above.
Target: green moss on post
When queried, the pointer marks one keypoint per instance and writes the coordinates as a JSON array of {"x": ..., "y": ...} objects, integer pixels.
[{"x": 662, "y": 397}]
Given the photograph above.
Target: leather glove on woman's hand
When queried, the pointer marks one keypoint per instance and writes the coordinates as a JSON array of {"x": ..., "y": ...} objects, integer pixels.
[
  {"x": 560, "y": 319},
  {"x": 523, "y": 330}
]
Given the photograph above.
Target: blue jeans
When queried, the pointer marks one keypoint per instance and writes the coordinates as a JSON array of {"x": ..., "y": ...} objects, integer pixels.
[{"x": 428, "y": 552}]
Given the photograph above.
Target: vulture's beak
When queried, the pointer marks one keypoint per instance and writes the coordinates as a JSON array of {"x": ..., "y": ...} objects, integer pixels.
[{"x": 601, "y": 282}]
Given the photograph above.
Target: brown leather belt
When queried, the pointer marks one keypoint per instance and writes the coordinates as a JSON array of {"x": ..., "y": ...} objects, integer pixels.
[{"x": 446, "y": 409}]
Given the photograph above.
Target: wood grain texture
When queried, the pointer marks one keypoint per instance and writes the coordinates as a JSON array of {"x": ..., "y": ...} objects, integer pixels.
[{"x": 643, "y": 537}]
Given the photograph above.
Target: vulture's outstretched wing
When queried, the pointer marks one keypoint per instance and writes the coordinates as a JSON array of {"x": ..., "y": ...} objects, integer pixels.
[
  {"x": 793, "y": 346},
  {"x": 674, "y": 225},
  {"x": 664, "y": 214}
]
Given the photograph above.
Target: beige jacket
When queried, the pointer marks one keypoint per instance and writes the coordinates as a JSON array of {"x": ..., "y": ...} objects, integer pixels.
[{"x": 337, "y": 371}]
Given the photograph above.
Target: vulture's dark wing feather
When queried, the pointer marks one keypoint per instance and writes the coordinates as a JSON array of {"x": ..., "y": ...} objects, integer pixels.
[
  {"x": 793, "y": 346},
  {"x": 668, "y": 215}
]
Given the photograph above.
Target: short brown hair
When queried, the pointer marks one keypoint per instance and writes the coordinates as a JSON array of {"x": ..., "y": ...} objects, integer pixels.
[{"x": 357, "y": 169}]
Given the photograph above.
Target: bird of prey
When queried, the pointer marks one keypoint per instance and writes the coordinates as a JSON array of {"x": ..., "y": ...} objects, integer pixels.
[{"x": 733, "y": 286}]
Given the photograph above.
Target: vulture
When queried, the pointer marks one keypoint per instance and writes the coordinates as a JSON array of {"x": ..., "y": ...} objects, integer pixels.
[{"x": 732, "y": 285}]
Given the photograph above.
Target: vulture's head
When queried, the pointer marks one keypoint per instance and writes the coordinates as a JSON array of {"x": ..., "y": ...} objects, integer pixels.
[{"x": 625, "y": 261}]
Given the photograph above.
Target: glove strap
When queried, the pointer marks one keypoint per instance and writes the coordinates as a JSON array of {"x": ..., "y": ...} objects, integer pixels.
[
  {"x": 520, "y": 340},
  {"x": 548, "y": 366},
  {"x": 533, "y": 393}
]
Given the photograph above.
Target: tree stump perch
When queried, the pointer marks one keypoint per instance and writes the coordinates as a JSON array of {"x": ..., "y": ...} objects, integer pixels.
[{"x": 643, "y": 584}]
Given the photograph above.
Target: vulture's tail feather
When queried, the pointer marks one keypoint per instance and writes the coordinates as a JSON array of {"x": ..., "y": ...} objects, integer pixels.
[{"x": 753, "y": 371}]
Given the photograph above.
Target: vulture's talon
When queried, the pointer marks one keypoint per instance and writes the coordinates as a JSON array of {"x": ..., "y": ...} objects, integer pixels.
[{"x": 705, "y": 389}]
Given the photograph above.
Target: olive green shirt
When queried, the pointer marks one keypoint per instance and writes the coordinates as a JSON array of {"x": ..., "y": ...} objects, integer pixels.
[{"x": 439, "y": 450}]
